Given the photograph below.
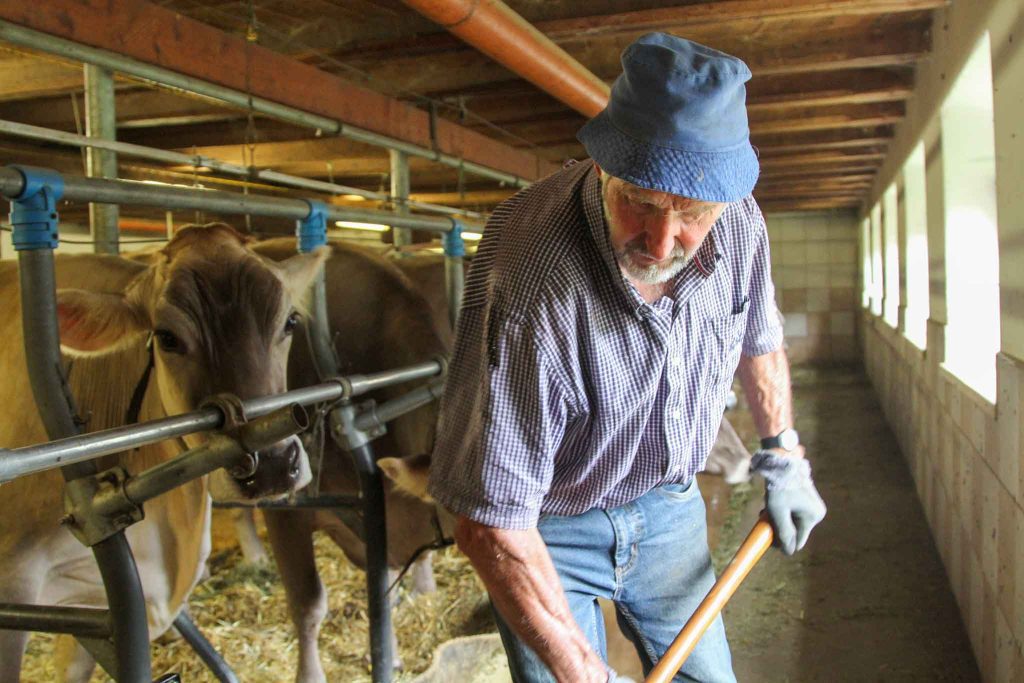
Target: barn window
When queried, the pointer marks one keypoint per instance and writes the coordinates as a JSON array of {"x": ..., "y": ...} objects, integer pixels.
[
  {"x": 915, "y": 317},
  {"x": 865, "y": 262},
  {"x": 972, "y": 253},
  {"x": 890, "y": 257},
  {"x": 876, "y": 260}
]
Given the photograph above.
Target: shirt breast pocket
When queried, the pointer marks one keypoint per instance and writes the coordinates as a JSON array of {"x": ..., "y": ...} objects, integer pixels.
[{"x": 724, "y": 339}]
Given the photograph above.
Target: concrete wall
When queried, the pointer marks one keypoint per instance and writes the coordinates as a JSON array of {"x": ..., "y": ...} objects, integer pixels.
[
  {"x": 964, "y": 451},
  {"x": 814, "y": 267}
]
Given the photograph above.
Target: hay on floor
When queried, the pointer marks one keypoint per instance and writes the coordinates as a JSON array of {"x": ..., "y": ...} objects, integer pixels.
[{"x": 242, "y": 610}]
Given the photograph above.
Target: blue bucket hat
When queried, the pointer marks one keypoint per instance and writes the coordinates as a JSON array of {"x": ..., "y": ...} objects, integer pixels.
[{"x": 677, "y": 121}]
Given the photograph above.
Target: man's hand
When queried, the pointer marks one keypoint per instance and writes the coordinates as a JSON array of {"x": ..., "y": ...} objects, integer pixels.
[{"x": 793, "y": 503}]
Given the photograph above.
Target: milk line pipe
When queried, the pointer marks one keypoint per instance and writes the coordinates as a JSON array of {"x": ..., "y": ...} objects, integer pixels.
[
  {"x": 37, "y": 40},
  {"x": 25, "y": 130},
  {"x": 18, "y": 462},
  {"x": 216, "y": 201}
]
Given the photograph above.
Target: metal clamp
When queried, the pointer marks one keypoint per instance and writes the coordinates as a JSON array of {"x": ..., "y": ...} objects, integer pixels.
[
  {"x": 230, "y": 406},
  {"x": 98, "y": 507},
  {"x": 312, "y": 230},
  {"x": 343, "y": 427},
  {"x": 34, "y": 211},
  {"x": 452, "y": 240}
]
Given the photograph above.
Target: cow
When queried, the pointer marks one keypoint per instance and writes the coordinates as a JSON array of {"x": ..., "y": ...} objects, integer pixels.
[
  {"x": 220, "y": 319},
  {"x": 379, "y": 322}
]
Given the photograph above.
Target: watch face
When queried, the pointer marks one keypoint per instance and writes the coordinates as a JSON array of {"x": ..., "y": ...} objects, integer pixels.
[{"x": 789, "y": 439}]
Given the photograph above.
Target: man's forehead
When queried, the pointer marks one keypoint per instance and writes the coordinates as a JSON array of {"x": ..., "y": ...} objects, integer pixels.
[{"x": 678, "y": 202}]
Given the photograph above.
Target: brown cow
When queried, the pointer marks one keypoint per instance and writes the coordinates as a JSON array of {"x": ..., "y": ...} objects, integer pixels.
[
  {"x": 221, "y": 319},
  {"x": 380, "y": 323}
]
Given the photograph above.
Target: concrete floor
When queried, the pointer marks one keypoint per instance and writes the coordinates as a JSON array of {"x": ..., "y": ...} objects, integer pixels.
[{"x": 868, "y": 599}]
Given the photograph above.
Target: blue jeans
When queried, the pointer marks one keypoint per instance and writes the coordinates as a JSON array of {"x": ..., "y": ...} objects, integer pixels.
[{"x": 651, "y": 558}]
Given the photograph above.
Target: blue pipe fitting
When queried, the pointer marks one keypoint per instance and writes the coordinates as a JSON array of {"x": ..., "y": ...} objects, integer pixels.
[
  {"x": 452, "y": 241},
  {"x": 312, "y": 230},
  {"x": 33, "y": 214}
]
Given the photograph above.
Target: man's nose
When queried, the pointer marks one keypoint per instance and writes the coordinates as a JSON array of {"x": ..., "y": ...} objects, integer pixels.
[{"x": 661, "y": 236}]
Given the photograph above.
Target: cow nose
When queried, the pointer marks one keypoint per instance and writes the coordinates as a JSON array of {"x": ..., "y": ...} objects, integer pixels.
[{"x": 294, "y": 462}]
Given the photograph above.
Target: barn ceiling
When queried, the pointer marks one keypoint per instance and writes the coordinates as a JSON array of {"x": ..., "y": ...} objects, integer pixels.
[{"x": 831, "y": 80}]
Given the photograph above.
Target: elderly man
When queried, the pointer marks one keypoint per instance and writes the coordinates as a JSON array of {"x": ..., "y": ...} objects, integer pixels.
[{"x": 605, "y": 314}]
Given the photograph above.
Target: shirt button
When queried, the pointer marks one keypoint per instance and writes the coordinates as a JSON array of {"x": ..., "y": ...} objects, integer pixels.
[
  {"x": 676, "y": 361},
  {"x": 677, "y": 414}
]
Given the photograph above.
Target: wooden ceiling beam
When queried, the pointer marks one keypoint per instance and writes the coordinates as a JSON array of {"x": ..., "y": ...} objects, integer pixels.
[
  {"x": 723, "y": 12},
  {"x": 26, "y": 77},
  {"x": 816, "y": 159},
  {"x": 161, "y": 37}
]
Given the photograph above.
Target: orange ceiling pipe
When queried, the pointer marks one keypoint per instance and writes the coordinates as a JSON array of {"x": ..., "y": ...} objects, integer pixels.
[{"x": 493, "y": 28}]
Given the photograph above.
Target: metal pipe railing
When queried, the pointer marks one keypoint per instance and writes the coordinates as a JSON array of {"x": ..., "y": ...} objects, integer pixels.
[
  {"x": 28, "y": 131},
  {"x": 36, "y": 40},
  {"x": 12, "y": 183},
  {"x": 31, "y": 459},
  {"x": 84, "y": 622},
  {"x": 379, "y": 415}
]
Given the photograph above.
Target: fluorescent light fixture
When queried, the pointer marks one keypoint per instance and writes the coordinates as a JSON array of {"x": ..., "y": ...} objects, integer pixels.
[
  {"x": 471, "y": 236},
  {"x": 353, "y": 225}
]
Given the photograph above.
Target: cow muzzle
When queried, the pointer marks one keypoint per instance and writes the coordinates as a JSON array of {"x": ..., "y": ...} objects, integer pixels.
[{"x": 268, "y": 473}]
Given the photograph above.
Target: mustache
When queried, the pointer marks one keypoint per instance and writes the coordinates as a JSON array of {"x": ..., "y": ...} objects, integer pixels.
[{"x": 638, "y": 245}]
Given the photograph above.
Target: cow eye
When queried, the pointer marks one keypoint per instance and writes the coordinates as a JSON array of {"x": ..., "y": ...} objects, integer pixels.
[
  {"x": 168, "y": 341},
  {"x": 290, "y": 323}
]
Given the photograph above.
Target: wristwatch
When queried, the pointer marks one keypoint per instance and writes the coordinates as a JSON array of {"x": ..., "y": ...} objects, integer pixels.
[{"x": 787, "y": 440}]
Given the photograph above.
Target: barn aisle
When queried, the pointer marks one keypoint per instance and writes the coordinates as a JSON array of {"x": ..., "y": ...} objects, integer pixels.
[{"x": 868, "y": 599}]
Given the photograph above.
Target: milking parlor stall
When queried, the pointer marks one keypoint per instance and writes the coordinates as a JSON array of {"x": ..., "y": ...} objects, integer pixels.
[{"x": 232, "y": 274}]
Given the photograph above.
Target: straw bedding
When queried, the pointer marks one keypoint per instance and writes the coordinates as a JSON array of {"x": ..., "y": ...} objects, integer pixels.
[{"x": 242, "y": 610}]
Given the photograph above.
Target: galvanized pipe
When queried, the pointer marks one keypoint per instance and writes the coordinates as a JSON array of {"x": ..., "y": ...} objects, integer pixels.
[
  {"x": 36, "y": 40},
  {"x": 214, "y": 201},
  {"x": 30, "y": 459},
  {"x": 85, "y": 622},
  {"x": 454, "y": 282},
  {"x": 202, "y": 647},
  {"x": 220, "y": 451},
  {"x": 361, "y": 384},
  {"x": 378, "y": 416},
  {"x": 101, "y": 123},
  {"x": 400, "y": 237},
  {"x": 24, "y": 130}
]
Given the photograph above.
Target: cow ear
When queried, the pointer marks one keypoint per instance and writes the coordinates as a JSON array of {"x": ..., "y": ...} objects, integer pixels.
[
  {"x": 300, "y": 270},
  {"x": 92, "y": 321},
  {"x": 410, "y": 474}
]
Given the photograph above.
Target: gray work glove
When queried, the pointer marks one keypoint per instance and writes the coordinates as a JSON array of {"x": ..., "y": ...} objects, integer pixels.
[{"x": 793, "y": 503}]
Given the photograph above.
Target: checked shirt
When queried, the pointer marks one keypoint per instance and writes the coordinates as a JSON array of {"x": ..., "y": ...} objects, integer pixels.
[{"x": 566, "y": 391}]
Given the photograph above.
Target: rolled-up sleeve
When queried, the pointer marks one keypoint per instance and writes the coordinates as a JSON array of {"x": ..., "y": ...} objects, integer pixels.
[
  {"x": 503, "y": 416},
  {"x": 764, "y": 329}
]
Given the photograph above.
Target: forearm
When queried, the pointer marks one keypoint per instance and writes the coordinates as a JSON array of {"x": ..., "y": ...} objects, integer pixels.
[
  {"x": 524, "y": 586},
  {"x": 766, "y": 383}
]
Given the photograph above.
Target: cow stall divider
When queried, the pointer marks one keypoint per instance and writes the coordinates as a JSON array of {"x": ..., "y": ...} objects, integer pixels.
[{"x": 102, "y": 505}]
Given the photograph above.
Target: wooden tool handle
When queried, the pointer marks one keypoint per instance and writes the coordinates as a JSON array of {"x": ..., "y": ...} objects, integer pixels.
[{"x": 757, "y": 542}]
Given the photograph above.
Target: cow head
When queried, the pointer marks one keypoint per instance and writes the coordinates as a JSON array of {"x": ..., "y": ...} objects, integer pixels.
[{"x": 221, "y": 320}]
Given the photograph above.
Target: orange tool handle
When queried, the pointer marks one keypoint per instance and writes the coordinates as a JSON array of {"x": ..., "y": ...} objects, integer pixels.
[{"x": 757, "y": 542}]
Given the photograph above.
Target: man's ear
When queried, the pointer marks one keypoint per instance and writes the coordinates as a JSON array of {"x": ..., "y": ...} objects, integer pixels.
[
  {"x": 300, "y": 270},
  {"x": 91, "y": 321}
]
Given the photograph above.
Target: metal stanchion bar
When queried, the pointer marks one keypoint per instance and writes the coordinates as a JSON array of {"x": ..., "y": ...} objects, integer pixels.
[
  {"x": 30, "y": 459},
  {"x": 362, "y": 384},
  {"x": 219, "y": 451},
  {"x": 77, "y": 621},
  {"x": 51, "y": 135},
  {"x": 34, "y": 218},
  {"x": 204, "y": 648},
  {"x": 371, "y": 483},
  {"x": 378, "y": 416},
  {"x": 123, "y": 192},
  {"x": 37, "y": 40}
]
